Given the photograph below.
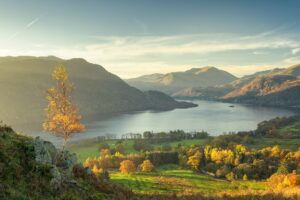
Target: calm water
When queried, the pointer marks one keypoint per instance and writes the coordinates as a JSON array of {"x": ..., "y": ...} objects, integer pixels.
[{"x": 213, "y": 117}]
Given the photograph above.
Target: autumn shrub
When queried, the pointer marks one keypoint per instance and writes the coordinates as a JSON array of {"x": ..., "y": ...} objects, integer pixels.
[
  {"x": 127, "y": 167},
  {"x": 147, "y": 166}
]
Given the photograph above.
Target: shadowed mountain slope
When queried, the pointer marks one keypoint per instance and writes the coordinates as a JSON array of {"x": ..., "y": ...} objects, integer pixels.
[{"x": 24, "y": 81}]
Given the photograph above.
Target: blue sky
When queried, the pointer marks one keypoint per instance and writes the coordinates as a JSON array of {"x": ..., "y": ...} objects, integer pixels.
[{"x": 135, "y": 37}]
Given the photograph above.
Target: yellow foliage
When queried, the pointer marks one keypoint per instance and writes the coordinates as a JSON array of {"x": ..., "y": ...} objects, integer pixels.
[
  {"x": 281, "y": 180},
  {"x": 222, "y": 156},
  {"x": 240, "y": 148},
  {"x": 62, "y": 116},
  {"x": 245, "y": 177},
  {"x": 147, "y": 166},
  {"x": 194, "y": 161},
  {"x": 97, "y": 170},
  {"x": 127, "y": 167},
  {"x": 276, "y": 150}
]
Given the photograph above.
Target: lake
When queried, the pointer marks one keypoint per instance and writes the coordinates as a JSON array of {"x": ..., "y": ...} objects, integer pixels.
[{"x": 214, "y": 117}]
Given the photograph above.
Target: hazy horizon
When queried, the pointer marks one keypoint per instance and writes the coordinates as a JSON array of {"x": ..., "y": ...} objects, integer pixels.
[{"x": 133, "y": 38}]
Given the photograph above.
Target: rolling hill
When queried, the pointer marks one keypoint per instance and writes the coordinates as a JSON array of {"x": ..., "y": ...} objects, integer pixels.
[
  {"x": 24, "y": 81},
  {"x": 173, "y": 82},
  {"x": 277, "y": 88}
]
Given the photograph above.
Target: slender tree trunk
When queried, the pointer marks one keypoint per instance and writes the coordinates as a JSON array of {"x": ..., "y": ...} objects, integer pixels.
[{"x": 64, "y": 145}]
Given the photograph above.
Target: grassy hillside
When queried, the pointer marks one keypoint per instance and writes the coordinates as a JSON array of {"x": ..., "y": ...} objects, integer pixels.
[
  {"x": 293, "y": 129},
  {"x": 170, "y": 178},
  {"x": 22, "y": 176},
  {"x": 90, "y": 148}
]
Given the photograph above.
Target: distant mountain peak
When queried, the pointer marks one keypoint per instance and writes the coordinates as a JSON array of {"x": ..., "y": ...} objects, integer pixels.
[
  {"x": 295, "y": 66},
  {"x": 175, "y": 81},
  {"x": 293, "y": 70},
  {"x": 199, "y": 70}
]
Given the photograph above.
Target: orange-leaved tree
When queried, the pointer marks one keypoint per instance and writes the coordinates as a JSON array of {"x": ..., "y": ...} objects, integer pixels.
[
  {"x": 62, "y": 118},
  {"x": 127, "y": 167},
  {"x": 147, "y": 166}
]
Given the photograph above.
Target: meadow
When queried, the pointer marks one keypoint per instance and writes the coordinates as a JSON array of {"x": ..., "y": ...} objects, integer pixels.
[
  {"x": 90, "y": 148},
  {"x": 236, "y": 167},
  {"x": 173, "y": 179}
]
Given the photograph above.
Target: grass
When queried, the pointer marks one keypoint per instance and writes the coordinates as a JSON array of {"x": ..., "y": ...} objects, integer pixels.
[
  {"x": 168, "y": 179},
  {"x": 293, "y": 129},
  {"x": 90, "y": 148},
  {"x": 292, "y": 144},
  {"x": 171, "y": 179},
  {"x": 187, "y": 142}
]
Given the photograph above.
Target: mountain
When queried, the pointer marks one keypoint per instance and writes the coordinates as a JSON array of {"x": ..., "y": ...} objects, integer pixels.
[
  {"x": 293, "y": 70},
  {"x": 24, "y": 81},
  {"x": 209, "y": 93},
  {"x": 173, "y": 82},
  {"x": 277, "y": 88},
  {"x": 248, "y": 78}
]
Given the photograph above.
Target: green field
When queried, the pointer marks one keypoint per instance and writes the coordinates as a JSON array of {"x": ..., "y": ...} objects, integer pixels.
[
  {"x": 293, "y": 129},
  {"x": 170, "y": 178},
  {"x": 91, "y": 148},
  {"x": 292, "y": 144}
]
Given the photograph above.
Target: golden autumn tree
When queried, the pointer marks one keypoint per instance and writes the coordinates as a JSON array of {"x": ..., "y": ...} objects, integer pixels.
[
  {"x": 147, "y": 166},
  {"x": 62, "y": 115},
  {"x": 194, "y": 161},
  {"x": 127, "y": 167}
]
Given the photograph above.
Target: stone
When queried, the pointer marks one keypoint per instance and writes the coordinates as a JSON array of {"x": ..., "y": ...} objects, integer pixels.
[
  {"x": 68, "y": 160},
  {"x": 56, "y": 180},
  {"x": 42, "y": 151}
]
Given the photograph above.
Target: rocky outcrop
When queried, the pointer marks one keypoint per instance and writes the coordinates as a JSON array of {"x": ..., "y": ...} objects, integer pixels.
[
  {"x": 45, "y": 152},
  {"x": 60, "y": 162}
]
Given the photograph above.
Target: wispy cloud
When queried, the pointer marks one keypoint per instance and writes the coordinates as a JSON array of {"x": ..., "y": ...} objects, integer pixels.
[
  {"x": 117, "y": 47},
  {"x": 29, "y": 25},
  {"x": 259, "y": 53},
  {"x": 266, "y": 33},
  {"x": 295, "y": 51},
  {"x": 32, "y": 22},
  {"x": 130, "y": 56},
  {"x": 11, "y": 37}
]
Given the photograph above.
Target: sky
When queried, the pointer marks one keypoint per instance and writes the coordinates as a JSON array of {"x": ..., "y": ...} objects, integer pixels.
[{"x": 136, "y": 37}]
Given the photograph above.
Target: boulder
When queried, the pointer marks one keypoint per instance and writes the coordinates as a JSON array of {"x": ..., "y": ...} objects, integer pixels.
[
  {"x": 56, "y": 180},
  {"x": 45, "y": 152}
]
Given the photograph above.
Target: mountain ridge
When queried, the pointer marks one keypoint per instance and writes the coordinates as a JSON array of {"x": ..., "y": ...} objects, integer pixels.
[
  {"x": 175, "y": 81},
  {"x": 24, "y": 81},
  {"x": 267, "y": 87}
]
